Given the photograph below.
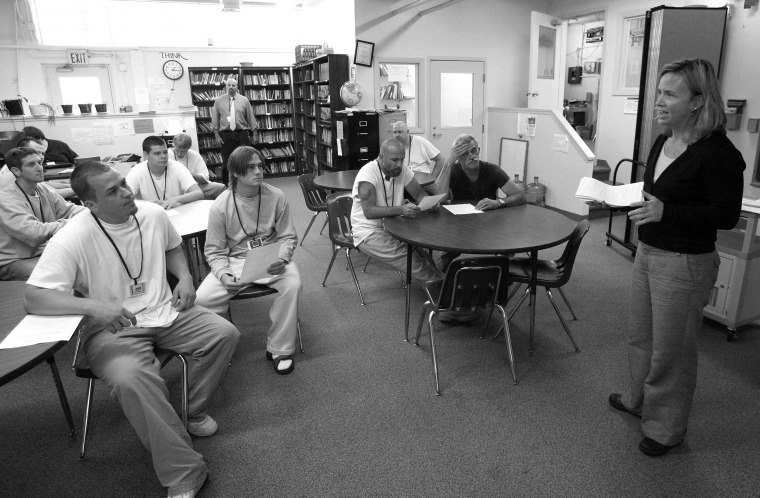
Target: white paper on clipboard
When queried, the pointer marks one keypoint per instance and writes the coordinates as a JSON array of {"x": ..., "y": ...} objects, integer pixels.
[{"x": 257, "y": 262}]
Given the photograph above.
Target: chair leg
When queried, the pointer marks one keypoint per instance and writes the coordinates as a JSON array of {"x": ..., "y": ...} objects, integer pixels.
[
  {"x": 562, "y": 320},
  {"x": 432, "y": 348},
  {"x": 366, "y": 264},
  {"x": 353, "y": 274},
  {"x": 62, "y": 396},
  {"x": 87, "y": 410},
  {"x": 325, "y": 224},
  {"x": 508, "y": 340},
  {"x": 564, "y": 298},
  {"x": 423, "y": 313},
  {"x": 522, "y": 299},
  {"x": 485, "y": 325},
  {"x": 298, "y": 328},
  {"x": 316, "y": 213},
  {"x": 329, "y": 267},
  {"x": 185, "y": 388}
]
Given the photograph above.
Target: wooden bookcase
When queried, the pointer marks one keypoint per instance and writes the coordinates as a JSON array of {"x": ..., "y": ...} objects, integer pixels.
[
  {"x": 270, "y": 91},
  {"x": 207, "y": 83},
  {"x": 316, "y": 95}
]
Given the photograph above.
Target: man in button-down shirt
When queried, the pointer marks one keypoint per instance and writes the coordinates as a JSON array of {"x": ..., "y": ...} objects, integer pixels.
[{"x": 232, "y": 129}]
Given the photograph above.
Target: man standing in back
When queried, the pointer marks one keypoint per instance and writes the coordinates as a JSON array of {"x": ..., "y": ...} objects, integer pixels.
[
  {"x": 421, "y": 155},
  {"x": 233, "y": 122},
  {"x": 183, "y": 154},
  {"x": 160, "y": 180}
]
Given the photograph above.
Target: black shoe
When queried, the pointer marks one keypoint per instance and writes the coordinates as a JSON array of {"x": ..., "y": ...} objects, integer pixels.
[
  {"x": 652, "y": 448},
  {"x": 616, "y": 402},
  {"x": 269, "y": 356}
]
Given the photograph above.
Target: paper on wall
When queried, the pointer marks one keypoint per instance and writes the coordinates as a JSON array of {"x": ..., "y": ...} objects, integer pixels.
[
  {"x": 123, "y": 127},
  {"x": 560, "y": 143},
  {"x": 81, "y": 134},
  {"x": 102, "y": 133}
]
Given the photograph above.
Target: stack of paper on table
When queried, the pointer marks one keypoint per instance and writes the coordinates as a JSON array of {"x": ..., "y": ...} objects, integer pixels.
[{"x": 590, "y": 189}]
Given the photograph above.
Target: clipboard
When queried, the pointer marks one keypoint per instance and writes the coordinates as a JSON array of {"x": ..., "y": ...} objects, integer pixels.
[{"x": 256, "y": 263}]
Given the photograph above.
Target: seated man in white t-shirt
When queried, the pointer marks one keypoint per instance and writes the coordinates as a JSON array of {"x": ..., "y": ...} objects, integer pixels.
[
  {"x": 63, "y": 188},
  {"x": 379, "y": 193},
  {"x": 116, "y": 256},
  {"x": 183, "y": 154},
  {"x": 421, "y": 155},
  {"x": 157, "y": 179}
]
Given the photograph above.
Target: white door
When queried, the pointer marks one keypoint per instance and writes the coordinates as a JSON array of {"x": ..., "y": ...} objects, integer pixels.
[
  {"x": 546, "y": 80},
  {"x": 457, "y": 105}
]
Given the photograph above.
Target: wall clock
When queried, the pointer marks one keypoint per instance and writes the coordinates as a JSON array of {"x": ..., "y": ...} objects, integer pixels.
[{"x": 173, "y": 70}]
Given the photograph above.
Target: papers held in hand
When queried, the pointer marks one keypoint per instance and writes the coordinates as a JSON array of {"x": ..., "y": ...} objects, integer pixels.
[
  {"x": 430, "y": 201},
  {"x": 257, "y": 262},
  {"x": 618, "y": 196}
]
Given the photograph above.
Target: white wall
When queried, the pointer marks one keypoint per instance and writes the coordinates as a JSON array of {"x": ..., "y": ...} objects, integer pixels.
[
  {"x": 560, "y": 170},
  {"x": 738, "y": 77},
  {"x": 495, "y": 29}
]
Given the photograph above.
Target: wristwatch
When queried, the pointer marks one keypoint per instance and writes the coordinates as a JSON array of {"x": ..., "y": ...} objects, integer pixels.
[{"x": 502, "y": 201}]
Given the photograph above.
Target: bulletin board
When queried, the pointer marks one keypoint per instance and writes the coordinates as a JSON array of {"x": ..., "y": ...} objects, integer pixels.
[{"x": 513, "y": 157}]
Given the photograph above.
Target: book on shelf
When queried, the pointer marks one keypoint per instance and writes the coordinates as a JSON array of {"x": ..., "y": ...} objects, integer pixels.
[
  {"x": 209, "y": 78},
  {"x": 208, "y": 95},
  {"x": 590, "y": 189}
]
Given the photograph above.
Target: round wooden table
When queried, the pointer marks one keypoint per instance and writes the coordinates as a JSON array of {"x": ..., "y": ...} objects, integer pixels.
[
  {"x": 344, "y": 180},
  {"x": 525, "y": 228}
]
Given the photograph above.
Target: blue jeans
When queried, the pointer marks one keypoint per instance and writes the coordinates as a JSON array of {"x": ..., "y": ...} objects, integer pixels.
[
  {"x": 668, "y": 292},
  {"x": 19, "y": 269}
]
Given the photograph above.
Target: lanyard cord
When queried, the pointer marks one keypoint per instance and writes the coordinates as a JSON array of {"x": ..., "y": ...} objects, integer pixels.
[
  {"x": 258, "y": 213},
  {"x": 410, "y": 150},
  {"x": 31, "y": 206},
  {"x": 121, "y": 258},
  {"x": 393, "y": 188},
  {"x": 166, "y": 177}
]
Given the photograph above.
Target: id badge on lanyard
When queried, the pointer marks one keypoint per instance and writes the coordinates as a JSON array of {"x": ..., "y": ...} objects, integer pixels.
[{"x": 254, "y": 243}]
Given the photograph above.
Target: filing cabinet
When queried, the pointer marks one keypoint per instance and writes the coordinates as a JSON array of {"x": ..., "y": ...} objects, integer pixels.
[{"x": 357, "y": 138}]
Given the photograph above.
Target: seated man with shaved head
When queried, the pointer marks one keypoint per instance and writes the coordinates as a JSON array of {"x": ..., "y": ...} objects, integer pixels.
[{"x": 379, "y": 193}]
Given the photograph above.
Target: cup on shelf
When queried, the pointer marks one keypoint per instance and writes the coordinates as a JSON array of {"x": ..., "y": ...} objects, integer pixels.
[
  {"x": 101, "y": 108},
  {"x": 67, "y": 109},
  {"x": 85, "y": 108}
]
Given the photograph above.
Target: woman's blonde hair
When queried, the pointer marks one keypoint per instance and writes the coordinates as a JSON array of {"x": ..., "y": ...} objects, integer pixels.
[{"x": 699, "y": 77}]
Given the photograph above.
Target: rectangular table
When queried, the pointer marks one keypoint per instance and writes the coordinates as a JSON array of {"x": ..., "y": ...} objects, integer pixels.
[{"x": 191, "y": 221}]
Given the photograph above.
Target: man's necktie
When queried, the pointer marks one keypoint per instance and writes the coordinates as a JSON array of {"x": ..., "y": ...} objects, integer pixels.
[{"x": 232, "y": 114}]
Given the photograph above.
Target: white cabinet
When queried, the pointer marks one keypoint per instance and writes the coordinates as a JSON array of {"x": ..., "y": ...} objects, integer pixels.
[{"x": 735, "y": 300}]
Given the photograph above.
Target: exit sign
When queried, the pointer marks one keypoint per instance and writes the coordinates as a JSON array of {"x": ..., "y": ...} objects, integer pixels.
[{"x": 76, "y": 57}]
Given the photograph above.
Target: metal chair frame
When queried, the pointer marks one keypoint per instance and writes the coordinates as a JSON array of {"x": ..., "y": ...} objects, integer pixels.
[
  {"x": 552, "y": 275},
  {"x": 164, "y": 355},
  {"x": 469, "y": 284}
]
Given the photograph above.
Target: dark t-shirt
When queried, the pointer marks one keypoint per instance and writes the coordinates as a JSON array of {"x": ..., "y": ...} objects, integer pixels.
[
  {"x": 490, "y": 179},
  {"x": 59, "y": 152}
]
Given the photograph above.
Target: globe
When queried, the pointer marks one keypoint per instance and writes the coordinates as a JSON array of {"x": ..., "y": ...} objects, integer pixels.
[{"x": 351, "y": 93}]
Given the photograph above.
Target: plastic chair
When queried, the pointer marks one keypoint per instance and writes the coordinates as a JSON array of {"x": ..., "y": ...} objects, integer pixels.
[
  {"x": 315, "y": 198},
  {"x": 254, "y": 291},
  {"x": 164, "y": 356},
  {"x": 469, "y": 284},
  {"x": 339, "y": 217},
  {"x": 550, "y": 275}
]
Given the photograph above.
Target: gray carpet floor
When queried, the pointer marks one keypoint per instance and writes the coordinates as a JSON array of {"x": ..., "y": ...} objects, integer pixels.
[{"x": 359, "y": 416}]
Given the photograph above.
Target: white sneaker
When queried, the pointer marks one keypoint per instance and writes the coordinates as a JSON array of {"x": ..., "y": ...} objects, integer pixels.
[
  {"x": 192, "y": 492},
  {"x": 203, "y": 428}
]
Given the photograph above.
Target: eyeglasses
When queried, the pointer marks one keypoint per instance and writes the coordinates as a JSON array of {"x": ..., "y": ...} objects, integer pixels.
[{"x": 474, "y": 152}]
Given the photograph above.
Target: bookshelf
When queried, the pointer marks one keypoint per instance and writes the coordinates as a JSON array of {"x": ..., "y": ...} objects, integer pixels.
[
  {"x": 316, "y": 95},
  {"x": 270, "y": 92},
  {"x": 206, "y": 84}
]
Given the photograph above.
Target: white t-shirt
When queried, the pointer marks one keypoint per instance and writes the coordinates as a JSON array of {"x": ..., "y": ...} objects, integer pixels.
[
  {"x": 176, "y": 179},
  {"x": 6, "y": 177},
  {"x": 420, "y": 154},
  {"x": 80, "y": 257},
  {"x": 388, "y": 193},
  {"x": 193, "y": 162}
]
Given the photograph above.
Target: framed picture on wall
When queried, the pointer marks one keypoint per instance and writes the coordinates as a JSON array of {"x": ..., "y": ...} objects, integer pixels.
[{"x": 364, "y": 53}]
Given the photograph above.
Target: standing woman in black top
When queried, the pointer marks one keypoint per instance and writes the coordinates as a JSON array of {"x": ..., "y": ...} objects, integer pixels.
[{"x": 693, "y": 186}]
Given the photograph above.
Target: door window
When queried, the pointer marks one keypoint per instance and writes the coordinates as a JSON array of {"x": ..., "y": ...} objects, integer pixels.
[{"x": 456, "y": 100}]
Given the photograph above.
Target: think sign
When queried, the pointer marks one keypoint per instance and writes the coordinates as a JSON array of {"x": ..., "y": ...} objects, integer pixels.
[{"x": 76, "y": 57}]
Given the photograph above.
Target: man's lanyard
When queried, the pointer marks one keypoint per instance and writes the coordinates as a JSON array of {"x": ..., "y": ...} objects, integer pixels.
[
  {"x": 31, "y": 206},
  {"x": 393, "y": 188},
  {"x": 166, "y": 177},
  {"x": 258, "y": 213},
  {"x": 121, "y": 258}
]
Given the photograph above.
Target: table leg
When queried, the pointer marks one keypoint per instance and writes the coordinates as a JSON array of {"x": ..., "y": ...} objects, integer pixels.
[
  {"x": 533, "y": 282},
  {"x": 62, "y": 395},
  {"x": 409, "y": 250}
]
